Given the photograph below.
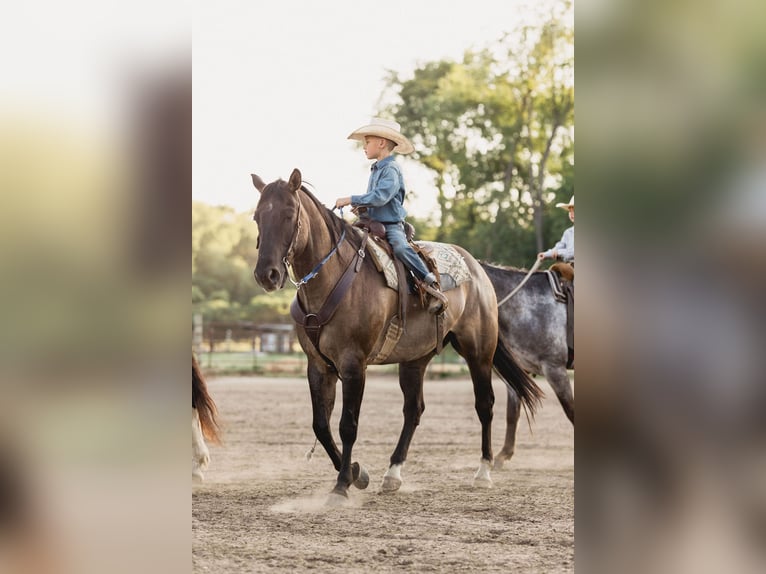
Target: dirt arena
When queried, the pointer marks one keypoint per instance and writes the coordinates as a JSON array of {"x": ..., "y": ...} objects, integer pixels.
[{"x": 262, "y": 505}]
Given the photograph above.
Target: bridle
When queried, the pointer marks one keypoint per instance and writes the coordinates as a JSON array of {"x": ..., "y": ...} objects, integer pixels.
[{"x": 288, "y": 256}]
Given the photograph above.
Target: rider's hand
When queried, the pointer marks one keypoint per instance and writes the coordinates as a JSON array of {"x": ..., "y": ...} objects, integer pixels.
[
  {"x": 342, "y": 202},
  {"x": 541, "y": 256}
]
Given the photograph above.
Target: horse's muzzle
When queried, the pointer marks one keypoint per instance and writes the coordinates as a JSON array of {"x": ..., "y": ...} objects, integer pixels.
[{"x": 270, "y": 278}]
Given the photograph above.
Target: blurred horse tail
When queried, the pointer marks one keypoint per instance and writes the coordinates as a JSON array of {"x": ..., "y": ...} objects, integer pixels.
[
  {"x": 203, "y": 403},
  {"x": 204, "y": 424}
]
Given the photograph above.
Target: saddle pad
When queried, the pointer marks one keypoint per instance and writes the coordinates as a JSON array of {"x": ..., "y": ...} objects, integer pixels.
[
  {"x": 451, "y": 265},
  {"x": 383, "y": 262}
]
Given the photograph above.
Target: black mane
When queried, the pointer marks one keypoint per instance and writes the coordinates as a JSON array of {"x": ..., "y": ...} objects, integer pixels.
[{"x": 335, "y": 224}]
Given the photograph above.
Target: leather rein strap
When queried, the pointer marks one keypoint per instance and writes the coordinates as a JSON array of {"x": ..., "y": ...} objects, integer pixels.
[{"x": 312, "y": 323}]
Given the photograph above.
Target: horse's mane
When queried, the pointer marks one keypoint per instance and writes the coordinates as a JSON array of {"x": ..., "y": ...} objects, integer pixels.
[
  {"x": 334, "y": 224},
  {"x": 504, "y": 267}
]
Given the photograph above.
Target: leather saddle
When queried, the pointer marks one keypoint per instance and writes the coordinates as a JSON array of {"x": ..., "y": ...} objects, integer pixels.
[
  {"x": 378, "y": 231},
  {"x": 406, "y": 281},
  {"x": 561, "y": 278}
]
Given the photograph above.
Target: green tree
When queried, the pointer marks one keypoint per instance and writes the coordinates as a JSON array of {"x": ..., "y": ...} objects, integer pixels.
[
  {"x": 497, "y": 131},
  {"x": 223, "y": 257}
]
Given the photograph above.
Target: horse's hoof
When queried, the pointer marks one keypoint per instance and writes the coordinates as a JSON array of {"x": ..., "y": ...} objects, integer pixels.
[
  {"x": 390, "y": 484},
  {"x": 337, "y": 500},
  {"x": 482, "y": 482},
  {"x": 362, "y": 481},
  {"x": 197, "y": 476},
  {"x": 498, "y": 465}
]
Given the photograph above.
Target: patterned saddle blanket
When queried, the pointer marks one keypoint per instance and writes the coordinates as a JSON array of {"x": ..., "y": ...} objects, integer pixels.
[{"x": 452, "y": 268}]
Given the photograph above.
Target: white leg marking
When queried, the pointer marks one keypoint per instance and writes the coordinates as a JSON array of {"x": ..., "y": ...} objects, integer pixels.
[
  {"x": 482, "y": 478},
  {"x": 392, "y": 480}
]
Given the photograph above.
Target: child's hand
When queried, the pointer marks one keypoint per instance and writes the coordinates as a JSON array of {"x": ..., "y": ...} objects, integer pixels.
[
  {"x": 342, "y": 202},
  {"x": 541, "y": 256}
]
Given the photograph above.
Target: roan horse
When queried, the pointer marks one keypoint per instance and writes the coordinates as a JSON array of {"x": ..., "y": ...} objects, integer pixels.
[
  {"x": 532, "y": 323},
  {"x": 204, "y": 425},
  {"x": 296, "y": 230}
]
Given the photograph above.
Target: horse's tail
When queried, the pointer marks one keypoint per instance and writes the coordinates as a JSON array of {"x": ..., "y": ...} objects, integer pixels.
[
  {"x": 203, "y": 402},
  {"x": 517, "y": 378}
]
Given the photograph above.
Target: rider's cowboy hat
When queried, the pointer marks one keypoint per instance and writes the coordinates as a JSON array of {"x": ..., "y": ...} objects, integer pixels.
[
  {"x": 384, "y": 129},
  {"x": 566, "y": 205}
]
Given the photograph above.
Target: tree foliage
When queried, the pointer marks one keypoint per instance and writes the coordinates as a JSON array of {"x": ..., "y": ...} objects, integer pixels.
[
  {"x": 223, "y": 258},
  {"x": 496, "y": 129}
]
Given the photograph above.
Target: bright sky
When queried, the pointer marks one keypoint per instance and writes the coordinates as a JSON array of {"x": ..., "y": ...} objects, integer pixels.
[
  {"x": 280, "y": 85},
  {"x": 277, "y": 85}
]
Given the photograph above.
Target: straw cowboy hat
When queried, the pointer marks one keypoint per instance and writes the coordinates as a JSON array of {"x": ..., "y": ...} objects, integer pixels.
[
  {"x": 566, "y": 205},
  {"x": 384, "y": 129}
]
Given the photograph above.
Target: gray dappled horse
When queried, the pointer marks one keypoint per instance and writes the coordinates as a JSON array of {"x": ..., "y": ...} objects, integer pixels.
[
  {"x": 296, "y": 230},
  {"x": 533, "y": 325}
]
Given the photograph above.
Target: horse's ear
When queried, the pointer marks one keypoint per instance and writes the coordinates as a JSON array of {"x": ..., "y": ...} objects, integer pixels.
[
  {"x": 257, "y": 182},
  {"x": 295, "y": 180}
]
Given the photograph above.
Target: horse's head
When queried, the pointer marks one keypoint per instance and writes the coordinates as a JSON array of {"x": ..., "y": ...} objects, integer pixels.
[{"x": 278, "y": 217}]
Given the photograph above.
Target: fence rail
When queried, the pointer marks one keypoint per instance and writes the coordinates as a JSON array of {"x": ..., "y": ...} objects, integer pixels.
[{"x": 445, "y": 365}]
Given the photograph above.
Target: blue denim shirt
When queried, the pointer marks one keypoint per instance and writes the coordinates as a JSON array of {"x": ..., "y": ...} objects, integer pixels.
[
  {"x": 565, "y": 247},
  {"x": 384, "y": 199}
]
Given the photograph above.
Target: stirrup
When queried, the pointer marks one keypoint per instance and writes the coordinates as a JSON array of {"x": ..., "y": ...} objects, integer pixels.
[{"x": 439, "y": 301}]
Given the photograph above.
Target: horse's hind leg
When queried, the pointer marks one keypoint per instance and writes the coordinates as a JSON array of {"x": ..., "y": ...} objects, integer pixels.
[
  {"x": 480, "y": 366},
  {"x": 484, "y": 400},
  {"x": 411, "y": 382},
  {"x": 512, "y": 413},
  {"x": 561, "y": 385}
]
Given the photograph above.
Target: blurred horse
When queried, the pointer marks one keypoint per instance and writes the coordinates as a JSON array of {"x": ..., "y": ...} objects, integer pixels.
[
  {"x": 533, "y": 325},
  {"x": 296, "y": 230},
  {"x": 204, "y": 424}
]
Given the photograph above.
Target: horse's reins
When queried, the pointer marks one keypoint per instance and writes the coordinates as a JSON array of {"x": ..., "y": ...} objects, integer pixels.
[{"x": 520, "y": 285}]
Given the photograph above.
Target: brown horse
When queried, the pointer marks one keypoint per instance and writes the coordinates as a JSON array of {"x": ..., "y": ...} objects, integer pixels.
[
  {"x": 204, "y": 424},
  {"x": 296, "y": 230}
]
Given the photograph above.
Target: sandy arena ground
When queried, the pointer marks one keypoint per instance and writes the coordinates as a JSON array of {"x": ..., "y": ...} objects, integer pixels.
[{"x": 262, "y": 505}]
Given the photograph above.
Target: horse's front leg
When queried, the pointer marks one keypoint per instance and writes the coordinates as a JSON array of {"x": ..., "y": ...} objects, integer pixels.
[
  {"x": 411, "y": 382},
  {"x": 353, "y": 380},
  {"x": 559, "y": 381},
  {"x": 322, "y": 383}
]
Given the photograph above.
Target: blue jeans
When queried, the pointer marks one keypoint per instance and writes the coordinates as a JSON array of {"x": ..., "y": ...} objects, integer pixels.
[{"x": 405, "y": 253}]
